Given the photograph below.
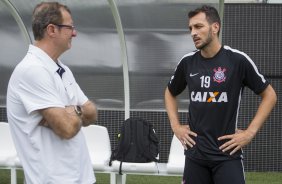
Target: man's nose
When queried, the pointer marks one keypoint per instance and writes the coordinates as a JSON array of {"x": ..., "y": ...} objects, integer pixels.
[
  {"x": 74, "y": 33},
  {"x": 193, "y": 33}
]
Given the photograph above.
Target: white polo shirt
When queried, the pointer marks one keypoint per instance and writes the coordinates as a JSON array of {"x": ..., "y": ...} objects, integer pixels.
[{"x": 46, "y": 158}]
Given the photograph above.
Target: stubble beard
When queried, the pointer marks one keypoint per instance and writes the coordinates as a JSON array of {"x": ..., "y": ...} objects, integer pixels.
[{"x": 206, "y": 42}]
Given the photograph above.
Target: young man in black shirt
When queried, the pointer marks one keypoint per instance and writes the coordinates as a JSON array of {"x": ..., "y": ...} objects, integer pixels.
[{"x": 216, "y": 76}]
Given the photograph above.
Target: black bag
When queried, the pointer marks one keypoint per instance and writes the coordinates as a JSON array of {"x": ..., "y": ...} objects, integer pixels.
[{"x": 137, "y": 142}]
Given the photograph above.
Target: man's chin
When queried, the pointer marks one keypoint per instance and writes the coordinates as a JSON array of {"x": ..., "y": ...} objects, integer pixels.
[
  {"x": 69, "y": 46},
  {"x": 199, "y": 47}
]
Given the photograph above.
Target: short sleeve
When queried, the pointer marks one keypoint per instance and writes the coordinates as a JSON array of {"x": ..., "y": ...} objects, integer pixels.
[
  {"x": 37, "y": 90},
  {"x": 80, "y": 97},
  {"x": 177, "y": 82},
  {"x": 252, "y": 77}
]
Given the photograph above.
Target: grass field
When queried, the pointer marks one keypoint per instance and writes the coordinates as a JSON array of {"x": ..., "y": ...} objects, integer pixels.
[{"x": 251, "y": 178}]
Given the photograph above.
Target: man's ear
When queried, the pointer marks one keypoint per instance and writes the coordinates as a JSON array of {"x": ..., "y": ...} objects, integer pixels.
[
  {"x": 215, "y": 27},
  {"x": 51, "y": 30}
]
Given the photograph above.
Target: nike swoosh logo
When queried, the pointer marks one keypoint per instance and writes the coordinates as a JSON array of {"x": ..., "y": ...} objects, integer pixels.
[{"x": 193, "y": 74}]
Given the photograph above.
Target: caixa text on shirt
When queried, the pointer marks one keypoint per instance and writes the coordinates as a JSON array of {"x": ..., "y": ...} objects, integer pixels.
[{"x": 209, "y": 96}]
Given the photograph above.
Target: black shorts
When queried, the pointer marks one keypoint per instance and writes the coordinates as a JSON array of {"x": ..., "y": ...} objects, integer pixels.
[{"x": 213, "y": 172}]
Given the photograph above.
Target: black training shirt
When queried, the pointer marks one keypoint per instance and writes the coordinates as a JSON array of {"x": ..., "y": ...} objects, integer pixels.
[{"x": 215, "y": 88}]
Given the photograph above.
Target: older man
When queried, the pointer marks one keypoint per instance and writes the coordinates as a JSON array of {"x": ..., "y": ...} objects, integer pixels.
[{"x": 46, "y": 107}]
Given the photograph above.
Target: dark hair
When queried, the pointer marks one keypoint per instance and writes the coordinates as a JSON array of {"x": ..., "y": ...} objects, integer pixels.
[
  {"x": 44, "y": 14},
  {"x": 211, "y": 14}
]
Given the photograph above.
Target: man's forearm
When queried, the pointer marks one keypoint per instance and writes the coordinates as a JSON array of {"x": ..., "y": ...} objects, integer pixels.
[
  {"x": 269, "y": 99},
  {"x": 172, "y": 109},
  {"x": 63, "y": 121}
]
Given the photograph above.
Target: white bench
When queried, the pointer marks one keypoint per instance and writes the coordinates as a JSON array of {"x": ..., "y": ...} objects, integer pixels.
[
  {"x": 174, "y": 167},
  {"x": 176, "y": 158},
  {"x": 8, "y": 152},
  {"x": 99, "y": 147}
]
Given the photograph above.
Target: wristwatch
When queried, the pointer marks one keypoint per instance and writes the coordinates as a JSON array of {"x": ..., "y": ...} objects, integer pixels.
[{"x": 77, "y": 110}]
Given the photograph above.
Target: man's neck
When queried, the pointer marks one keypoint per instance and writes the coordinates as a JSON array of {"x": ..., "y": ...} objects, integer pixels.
[
  {"x": 211, "y": 50},
  {"x": 52, "y": 53}
]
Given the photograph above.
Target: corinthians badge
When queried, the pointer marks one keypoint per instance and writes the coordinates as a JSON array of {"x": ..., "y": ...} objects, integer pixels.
[{"x": 219, "y": 75}]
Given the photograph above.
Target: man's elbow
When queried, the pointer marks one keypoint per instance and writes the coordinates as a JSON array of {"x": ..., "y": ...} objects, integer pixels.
[
  {"x": 274, "y": 98},
  {"x": 89, "y": 114},
  {"x": 90, "y": 119},
  {"x": 67, "y": 135}
]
